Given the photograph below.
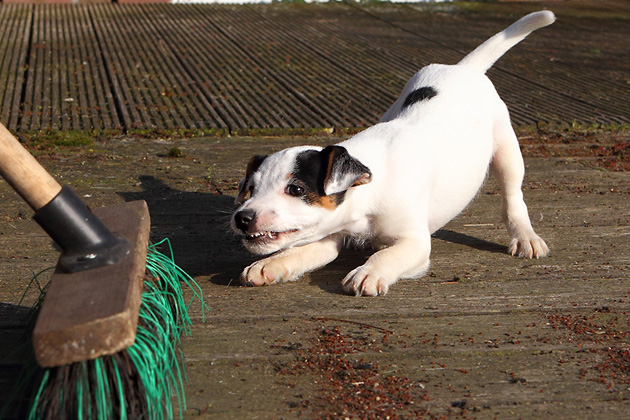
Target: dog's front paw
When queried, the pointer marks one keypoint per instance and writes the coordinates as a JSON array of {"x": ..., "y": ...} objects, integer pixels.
[
  {"x": 366, "y": 281},
  {"x": 528, "y": 247},
  {"x": 266, "y": 271}
]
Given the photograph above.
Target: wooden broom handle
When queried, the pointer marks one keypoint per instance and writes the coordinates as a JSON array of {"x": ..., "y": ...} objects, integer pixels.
[{"x": 22, "y": 171}]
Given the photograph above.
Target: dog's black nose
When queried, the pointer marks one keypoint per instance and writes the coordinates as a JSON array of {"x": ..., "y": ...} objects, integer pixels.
[{"x": 244, "y": 218}]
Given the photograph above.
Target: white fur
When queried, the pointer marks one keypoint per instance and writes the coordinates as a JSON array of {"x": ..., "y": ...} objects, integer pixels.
[{"x": 427, "y": 162}]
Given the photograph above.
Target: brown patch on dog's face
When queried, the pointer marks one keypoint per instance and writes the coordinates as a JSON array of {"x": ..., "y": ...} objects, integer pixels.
[
  {"x": 330, "y": 202},
  {"x": 310, "y": 196}
]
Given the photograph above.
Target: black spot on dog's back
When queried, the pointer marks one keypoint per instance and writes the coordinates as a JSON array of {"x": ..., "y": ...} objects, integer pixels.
[{"x": 421, "y": 94}]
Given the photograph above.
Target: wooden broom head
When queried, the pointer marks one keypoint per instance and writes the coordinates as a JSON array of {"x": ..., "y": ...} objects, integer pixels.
[{"x": 92, "y": 313}]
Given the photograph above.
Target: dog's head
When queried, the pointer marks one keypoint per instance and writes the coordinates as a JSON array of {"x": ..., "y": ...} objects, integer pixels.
[{"x": 294, "y": 195}]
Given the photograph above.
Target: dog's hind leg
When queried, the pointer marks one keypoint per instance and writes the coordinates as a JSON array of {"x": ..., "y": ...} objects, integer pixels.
[
  {"x": 508, "y": 167},
  {"x": 292, "y": 263}
]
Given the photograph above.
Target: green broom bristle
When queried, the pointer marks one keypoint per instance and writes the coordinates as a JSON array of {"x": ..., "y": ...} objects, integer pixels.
[{"x": 138, "y": 382}]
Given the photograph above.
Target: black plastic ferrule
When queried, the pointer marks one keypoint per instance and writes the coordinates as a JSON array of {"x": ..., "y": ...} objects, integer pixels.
[{"x": 84, "y": 240}]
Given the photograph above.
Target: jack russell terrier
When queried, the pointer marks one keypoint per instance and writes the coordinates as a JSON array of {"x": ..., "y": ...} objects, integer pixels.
[{"x": 393, "y": 184}]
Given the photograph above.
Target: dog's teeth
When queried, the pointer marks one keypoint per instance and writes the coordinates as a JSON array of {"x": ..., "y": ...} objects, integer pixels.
[{"x": 268, "y": 234}]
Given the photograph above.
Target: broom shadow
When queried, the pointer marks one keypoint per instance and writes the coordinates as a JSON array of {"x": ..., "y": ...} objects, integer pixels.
[
  {"x": 15, "y": 350},
  {"x": 197, "y": 225}
]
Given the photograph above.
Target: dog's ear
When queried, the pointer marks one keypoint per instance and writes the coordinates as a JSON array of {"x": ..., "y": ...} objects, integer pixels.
[
  {"x": 243, "y": 188},
  {"x": 342, "y": 170}
]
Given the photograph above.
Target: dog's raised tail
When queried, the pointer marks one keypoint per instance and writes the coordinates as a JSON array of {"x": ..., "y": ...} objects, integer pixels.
[{"x": 485, "y": 55}]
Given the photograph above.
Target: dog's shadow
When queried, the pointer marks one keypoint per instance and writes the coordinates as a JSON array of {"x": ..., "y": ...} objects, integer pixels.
[
  {"x": 197, "y": 224},
  {"x": 469, "y": 241},
  {"x": 329, "y": 279}
]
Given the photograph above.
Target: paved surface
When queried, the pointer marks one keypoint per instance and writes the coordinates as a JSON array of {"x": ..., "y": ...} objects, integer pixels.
[
  {"x": 290, "y": 68},
  {"x": 484, "y": 335}
]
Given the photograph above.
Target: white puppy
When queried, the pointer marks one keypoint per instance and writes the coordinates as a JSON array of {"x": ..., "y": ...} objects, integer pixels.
[{"x": 393, "y": 184}]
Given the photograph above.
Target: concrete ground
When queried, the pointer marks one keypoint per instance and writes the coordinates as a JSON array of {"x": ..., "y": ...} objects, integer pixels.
[{"x": 484, "y": 335}]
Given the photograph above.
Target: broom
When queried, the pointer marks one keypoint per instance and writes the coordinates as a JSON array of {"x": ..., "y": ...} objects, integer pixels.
[{"x": 108, "y": 328}]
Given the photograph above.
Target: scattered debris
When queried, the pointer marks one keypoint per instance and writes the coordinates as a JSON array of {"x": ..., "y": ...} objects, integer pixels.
[
  {"x": 351, "y": 385},
  {"x": 605, "y": 336}
]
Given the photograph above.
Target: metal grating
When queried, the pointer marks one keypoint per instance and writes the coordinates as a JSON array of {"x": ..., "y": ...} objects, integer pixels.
[{"x": 281, "y": 67}]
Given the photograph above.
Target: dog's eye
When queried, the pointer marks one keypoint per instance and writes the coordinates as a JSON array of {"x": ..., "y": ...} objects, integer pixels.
[
  {"x": 249, "y": 192},
  {"x": 294, "y": 190}
]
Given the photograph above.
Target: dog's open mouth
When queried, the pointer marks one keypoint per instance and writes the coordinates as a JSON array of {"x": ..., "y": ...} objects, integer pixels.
[{"x": 267, "y": 235}]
